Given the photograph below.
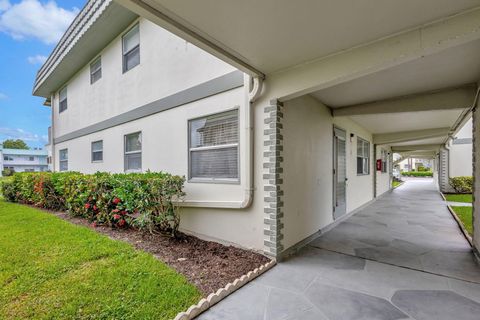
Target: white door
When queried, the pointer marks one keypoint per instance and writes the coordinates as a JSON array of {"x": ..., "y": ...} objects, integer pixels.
[{"x": 339, "y": 173}]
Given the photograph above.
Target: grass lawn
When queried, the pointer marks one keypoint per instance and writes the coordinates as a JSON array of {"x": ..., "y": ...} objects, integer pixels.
[
  {"x": 459, "y": 197},
  {"x": 51, "y": 269},
  {"x": 465, "y": 215},
  {"x": 396, "y": 183}
]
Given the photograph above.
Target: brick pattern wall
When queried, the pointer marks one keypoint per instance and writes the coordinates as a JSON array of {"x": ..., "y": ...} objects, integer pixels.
[{"x": 273, "y": 178}]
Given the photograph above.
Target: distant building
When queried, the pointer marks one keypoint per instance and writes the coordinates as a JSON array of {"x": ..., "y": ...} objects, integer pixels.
[{"x": 20, "y": 160}]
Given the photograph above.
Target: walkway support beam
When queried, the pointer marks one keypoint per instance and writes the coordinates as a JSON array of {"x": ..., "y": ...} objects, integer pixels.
[
  {"x": 457, "y": 98},
  {"x": 476, "y": 180},
  {"x": 405, "y": 136}
]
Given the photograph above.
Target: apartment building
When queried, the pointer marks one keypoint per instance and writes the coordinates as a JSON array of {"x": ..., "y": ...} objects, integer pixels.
[
  {"x": 20, "y": 160},
  {"x": 272, "y": 158}
]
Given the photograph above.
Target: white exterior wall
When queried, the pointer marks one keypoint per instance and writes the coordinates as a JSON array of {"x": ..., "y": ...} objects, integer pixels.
[
  {"x": 168, "y": 64},
  {"x": 460, "y": 155},
  {"x": 308, "y": 164},
  {"x": 383, "y": 183}
]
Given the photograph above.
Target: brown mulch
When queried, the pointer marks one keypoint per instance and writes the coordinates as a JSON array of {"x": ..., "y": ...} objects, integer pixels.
[{"x": 206, "y": 264}]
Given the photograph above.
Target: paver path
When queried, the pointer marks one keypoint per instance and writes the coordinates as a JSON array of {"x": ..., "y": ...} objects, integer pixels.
[{"x": 403, "y": 257}]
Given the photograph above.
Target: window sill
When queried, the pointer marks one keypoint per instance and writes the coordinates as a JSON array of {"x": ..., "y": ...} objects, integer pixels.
[{"x": 214, "y": 181}]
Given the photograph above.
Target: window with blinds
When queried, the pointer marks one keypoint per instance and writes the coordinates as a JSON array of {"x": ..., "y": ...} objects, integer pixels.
[
  {"x": 363, "y": 157},
  {"x": 63, "y": 157},
  {"x": 214, "y": 147},
  {"x": 133, "y": 152},
  {"x": 97, "y": 151},
  {"x": 63, "y": 100},
  {"x": 96, "y": 70},
  {"x": 131, "y": 49}
]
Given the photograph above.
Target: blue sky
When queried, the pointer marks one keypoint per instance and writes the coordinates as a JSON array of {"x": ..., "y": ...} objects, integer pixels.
[{"x": 29, "y": 30}]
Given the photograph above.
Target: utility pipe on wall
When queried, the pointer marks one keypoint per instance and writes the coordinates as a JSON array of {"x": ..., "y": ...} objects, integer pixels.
[{"x": 254, "y": 86}]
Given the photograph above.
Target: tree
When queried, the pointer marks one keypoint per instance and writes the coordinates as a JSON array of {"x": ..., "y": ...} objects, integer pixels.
[{"x": 15, "y": 144}]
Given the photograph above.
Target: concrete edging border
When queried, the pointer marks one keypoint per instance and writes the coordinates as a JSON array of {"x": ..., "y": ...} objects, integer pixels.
[
  {"x": 459, "y": 222},
  {"x": 213, "y": 298}
]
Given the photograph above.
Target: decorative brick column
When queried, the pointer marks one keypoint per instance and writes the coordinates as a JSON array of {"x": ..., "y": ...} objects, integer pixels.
[{"x": 273, "y": 178}]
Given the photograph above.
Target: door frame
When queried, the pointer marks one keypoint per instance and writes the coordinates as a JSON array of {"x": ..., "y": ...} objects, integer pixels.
[{"x": 334, "y": 173}]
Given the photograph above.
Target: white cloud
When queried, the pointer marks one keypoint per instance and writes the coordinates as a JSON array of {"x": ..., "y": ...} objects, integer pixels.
[
  {"x": 3, "y": 96},
  {"x": 34, "y": 19},
  {"x": 4, "y": 5},
  {"x": 38, "y": 59},
  {"x": 15, "y": 133}
]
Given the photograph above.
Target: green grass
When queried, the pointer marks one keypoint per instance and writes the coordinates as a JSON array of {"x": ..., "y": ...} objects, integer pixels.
[
  {"x": 396, "y": 183},
  {"x": 51, "y": 269},
  {"x": 465, "y": 215},
  {"x": 459, "y": 197}
]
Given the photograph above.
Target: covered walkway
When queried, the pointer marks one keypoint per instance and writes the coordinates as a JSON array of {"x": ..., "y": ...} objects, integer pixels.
[{"x": 402, "y": 257}]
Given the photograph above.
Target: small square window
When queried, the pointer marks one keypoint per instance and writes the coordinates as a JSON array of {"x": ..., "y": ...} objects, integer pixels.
[
  {"x": 131, "y": 49},
  {"x": 97, "y": 151},
  {"x": 133, "y": 152},
  {"x": 96, "y": 70},
  {"x": 63, "y": 157},
  {"x": 63, "y": 100}
]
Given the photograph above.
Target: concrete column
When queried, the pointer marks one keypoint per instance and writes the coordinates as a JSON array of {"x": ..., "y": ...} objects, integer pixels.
[
  {"x": 476, "y": 180},
  {"x": 273, "y": 179}
]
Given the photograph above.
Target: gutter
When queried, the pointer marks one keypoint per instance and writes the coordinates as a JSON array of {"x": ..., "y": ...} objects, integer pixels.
[{"x": 254, "y": 85}]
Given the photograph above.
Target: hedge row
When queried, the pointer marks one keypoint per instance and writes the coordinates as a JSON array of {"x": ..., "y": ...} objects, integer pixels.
[
  {"x": 417, "y": 174},
  {"x": 141, "y": 200},
  {"x": 462, "y": 184}
]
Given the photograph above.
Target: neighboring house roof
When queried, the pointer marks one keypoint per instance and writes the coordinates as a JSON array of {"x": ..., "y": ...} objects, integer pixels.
[
  {"x": 97, "y": 24},
  {"x": 24, "y": 152}
]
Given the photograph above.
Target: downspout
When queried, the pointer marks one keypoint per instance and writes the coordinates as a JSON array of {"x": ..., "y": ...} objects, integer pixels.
[
  {"x": 52, "y": 132},
  {"x": 254, "y": 86}
]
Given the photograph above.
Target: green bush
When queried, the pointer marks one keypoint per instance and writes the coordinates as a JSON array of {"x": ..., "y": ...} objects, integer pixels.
[
  {"x": 142, "y": 200},
  {"x": 417, "y": 174},
  {"x": 7, "y": 172},
  {"x": 462, "y": 184}
]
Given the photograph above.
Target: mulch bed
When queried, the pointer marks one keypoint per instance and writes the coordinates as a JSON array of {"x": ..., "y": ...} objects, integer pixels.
[{"x": 206, "y": 264}]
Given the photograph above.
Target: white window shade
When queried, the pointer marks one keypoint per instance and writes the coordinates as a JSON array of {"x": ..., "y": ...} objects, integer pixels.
[
  {"x": 133, "y": 152},
  {"x": 214, "y": 147},
  {"x": 363, "y": 157}
]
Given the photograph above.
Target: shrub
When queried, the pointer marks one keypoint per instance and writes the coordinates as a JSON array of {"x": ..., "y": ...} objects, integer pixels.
[
  {"x": 145, "y": 201},
  {"x": 417, "y": 174},
  {"x": 462, "y": 184},
  {"x": 7, "y": 172}
]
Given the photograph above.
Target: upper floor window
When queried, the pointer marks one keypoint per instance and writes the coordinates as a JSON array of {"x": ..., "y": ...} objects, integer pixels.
[
  {"x": 363, "y": 157},
  {"x": 7, "y": 158},
  {"x": 131, "y": 49},
  {"x": 214, "y": 147},
  {"x": 96, "y": 70},
  {"x": 63, "y": 100},
  {"x": 31, "y": 158},
  {"x": 97, "y": 151},
  {"x": 63, "y": 156},
  {"x": 133, "y": 152}
]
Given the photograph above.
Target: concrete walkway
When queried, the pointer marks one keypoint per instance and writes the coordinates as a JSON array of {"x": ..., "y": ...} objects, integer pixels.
[{"x": 403, "y": 257}]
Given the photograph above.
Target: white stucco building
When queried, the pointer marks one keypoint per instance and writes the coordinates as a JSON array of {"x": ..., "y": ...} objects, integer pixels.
[
  {"x": 280, "y": 137},
  {"x": 23, "y": 160}
]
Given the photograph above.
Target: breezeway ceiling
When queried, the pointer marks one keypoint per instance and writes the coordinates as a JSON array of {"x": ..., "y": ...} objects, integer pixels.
[
  {"x": 272, "y": 35},
  {"x": 450, "y": 68}
]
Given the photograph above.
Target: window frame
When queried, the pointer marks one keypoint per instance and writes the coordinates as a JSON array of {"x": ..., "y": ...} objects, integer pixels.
[
  {"x": 363, "y": 173},
  {"x": 60, "y": 100},
  {"x": 96, "y": 151},
  {"x": 125, "y": 153},
  {"x": 124, "y": 54},
  {"x": 93, "y": 72},
  {"x": 216, "y": 147},
  {"x": 64, "y": 160}
]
